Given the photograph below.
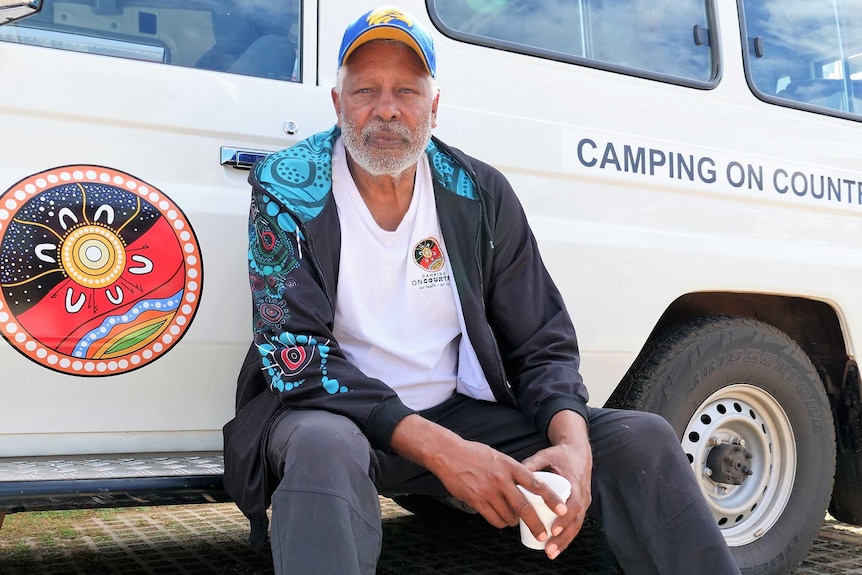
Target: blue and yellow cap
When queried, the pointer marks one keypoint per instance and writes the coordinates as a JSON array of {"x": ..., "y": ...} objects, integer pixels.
[{"x": 389, "y": 23}]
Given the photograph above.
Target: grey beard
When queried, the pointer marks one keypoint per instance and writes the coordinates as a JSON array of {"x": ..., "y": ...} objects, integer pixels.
[{"x": 385, "y": 162}]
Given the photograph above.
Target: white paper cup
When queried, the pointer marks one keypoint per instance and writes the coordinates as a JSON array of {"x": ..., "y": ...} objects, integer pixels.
[{"x": 562, "y": 488}]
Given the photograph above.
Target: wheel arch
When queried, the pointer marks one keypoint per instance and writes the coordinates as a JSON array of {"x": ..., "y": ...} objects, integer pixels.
[{"x": 814, "y": 325}]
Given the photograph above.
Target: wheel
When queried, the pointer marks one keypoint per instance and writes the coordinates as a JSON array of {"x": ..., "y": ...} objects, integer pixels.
[{"x": 754, "y": 420}]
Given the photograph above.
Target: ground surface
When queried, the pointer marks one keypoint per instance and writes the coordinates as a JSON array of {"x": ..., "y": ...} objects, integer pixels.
[{"x": 210, "y": 540}]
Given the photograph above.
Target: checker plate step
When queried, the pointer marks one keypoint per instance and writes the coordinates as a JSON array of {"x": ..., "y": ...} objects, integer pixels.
[{"x": 111, "y": 466}]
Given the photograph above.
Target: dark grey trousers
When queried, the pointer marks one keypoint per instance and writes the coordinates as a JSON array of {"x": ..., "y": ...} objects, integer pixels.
[{"x": 326, "y": 512}]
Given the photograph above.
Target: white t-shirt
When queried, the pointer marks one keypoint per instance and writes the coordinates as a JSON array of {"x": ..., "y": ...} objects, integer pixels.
[{"x": 396, "y": 316}]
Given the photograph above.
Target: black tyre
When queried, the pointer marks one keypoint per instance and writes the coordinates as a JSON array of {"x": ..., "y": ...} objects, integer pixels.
[{"x": 725, "y": 383}]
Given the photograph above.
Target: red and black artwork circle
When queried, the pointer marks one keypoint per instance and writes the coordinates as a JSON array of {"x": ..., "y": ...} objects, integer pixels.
[
  {"x": 428, "y": 255},
  {"x": 100, "y": 272}
]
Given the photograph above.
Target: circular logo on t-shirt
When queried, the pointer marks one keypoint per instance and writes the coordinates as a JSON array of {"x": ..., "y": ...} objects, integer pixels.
[
  {"x": 100, "y": 272},
  {"x": 428, "y": 255}
]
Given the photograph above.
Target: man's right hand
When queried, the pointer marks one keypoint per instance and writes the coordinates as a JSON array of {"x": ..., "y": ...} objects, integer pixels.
[{"x": 475, "y": 473}]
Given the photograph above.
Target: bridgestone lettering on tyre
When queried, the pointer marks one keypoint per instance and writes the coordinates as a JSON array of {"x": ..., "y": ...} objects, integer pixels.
[{"x": 754, "y": 420}]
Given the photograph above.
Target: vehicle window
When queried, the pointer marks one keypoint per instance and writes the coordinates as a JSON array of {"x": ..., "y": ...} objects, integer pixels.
[
  {"x": 644, "y": 37},
  {"x": 806, "y": 52},
  {"x": 250, "y": 37}
]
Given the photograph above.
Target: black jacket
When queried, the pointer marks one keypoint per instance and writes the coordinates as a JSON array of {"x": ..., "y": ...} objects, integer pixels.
[{"x": 514, "y": 314}]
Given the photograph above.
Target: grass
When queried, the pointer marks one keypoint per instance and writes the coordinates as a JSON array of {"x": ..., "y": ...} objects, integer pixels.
[
  {"x": 49, "y": 528},
  {"x": 85, "y": 541}
]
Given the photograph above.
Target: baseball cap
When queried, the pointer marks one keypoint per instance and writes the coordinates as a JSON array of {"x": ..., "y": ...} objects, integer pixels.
[{"x": 390, "y": 23}]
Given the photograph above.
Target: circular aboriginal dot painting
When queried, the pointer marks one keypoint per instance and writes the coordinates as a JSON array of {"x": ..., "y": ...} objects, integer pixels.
[{"x": 100, "y": 272}]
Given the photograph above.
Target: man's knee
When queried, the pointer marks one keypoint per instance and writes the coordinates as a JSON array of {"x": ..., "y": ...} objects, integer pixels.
[
  {"x": 640, "y": 440},
  {"x": 653, "y": 428},
  {"x": 651, "y": 435},
  {"x": 316, "y": 445}
]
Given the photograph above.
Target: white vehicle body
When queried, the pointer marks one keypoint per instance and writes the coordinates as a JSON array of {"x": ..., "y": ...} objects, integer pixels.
[{"x": 653, "y": 199}]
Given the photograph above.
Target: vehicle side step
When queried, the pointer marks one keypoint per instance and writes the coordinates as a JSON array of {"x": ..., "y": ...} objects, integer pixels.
[{"x": 51, "y": 483}]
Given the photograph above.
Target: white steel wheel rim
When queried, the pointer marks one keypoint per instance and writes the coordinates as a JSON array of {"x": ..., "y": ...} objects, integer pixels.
[{"x": 744, "y": 513}]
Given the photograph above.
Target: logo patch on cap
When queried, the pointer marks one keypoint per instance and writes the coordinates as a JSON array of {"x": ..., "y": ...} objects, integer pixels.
[{"x": 387, "y": 15}]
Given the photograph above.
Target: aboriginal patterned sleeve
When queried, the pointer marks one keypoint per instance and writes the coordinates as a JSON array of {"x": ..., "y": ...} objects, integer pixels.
[{"x": 292, "y": 308}]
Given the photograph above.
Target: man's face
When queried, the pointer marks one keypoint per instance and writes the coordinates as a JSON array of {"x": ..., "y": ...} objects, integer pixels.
[{"x": 386, "y": 108}]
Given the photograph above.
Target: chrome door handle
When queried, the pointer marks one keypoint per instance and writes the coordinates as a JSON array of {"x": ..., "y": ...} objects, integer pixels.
[{"x": 241, "y": 159}]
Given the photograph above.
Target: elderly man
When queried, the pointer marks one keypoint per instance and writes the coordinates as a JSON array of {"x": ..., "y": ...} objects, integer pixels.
[{"x": 408, "y": 339}]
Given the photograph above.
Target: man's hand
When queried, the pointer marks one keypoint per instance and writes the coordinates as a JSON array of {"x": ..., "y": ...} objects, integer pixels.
[
  {"x": 475, "y": 473},
  {"x": 570, "y": 456},
  {"x": 487, "y": 480}
]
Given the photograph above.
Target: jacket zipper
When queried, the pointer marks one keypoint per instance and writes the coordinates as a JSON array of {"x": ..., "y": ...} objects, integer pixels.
[
  {"x": 263, "y": 443},
  {"x": 507, "y": 387},
  {"x": 312, "y": 255},
  {"x": 504, "y": 381}
]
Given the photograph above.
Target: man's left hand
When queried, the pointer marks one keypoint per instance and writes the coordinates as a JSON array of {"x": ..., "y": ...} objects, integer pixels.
[{"x": 570, "y": 455}]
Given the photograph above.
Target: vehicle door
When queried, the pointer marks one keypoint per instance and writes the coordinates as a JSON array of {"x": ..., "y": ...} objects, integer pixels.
[{"x": 128, "y": 130}]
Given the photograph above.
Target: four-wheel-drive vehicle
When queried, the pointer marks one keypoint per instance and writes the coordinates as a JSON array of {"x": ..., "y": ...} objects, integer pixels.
[{"x": 692, "y": 170}]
